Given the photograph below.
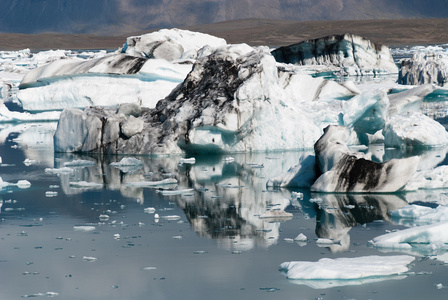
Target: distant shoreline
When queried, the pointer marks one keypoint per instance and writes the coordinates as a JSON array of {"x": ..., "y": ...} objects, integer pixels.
[{"x": 255, "y": 32}]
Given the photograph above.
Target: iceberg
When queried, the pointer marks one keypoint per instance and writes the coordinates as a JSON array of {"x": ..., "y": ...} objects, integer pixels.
[
  {"x": 420, "y": 215},
  {"x": 414, "y": 129},
  {"x": 422, "y": 239},
  {"x": 232, "y": 101},
  {"x": 343, "y": 171},
  {"x": 347, "y": 268},
  {"x": 351, "y": 54},
  {"x": 436, "y": 178},
  {"x": 108, "y": 80},
  {"x": 172, "y": 44},
  {"x": 424, "y": 67}
]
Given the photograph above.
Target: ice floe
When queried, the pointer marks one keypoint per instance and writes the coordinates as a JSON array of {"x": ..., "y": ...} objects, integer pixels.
[
  {"x": 351, "y": 54},
  {"x": 347, "y": 268},
  {"x": 423, "y": 240}
]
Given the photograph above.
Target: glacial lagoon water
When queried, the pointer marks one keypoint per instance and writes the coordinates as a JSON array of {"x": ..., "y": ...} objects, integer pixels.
[{"x": 89, "y": 230}]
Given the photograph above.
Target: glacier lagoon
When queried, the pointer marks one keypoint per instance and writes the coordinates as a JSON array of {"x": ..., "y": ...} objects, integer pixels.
[
  {"x": 86, "y": 228},
  {"x": 81, "y": 227}
]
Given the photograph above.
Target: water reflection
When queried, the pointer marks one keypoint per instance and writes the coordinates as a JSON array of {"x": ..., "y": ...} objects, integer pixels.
[
  {"x": 227, "y": 201},
  {"x": 338, "y": 213}
]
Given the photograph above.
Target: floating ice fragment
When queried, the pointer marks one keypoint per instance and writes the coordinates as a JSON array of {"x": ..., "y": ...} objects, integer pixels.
[
  {"x": 177, "y": 237},
  {"x": 229, "y": 159},
  {"x": 439, "y": 286},
  {"x": 200, "y": 252},
  {"x": 64, "y": 170},
  {"x": 85, "y": 228},
  {"x": 104, "y": 217},
  {"x": 149, "y": 268},
  {"x": 427, "y": 238},
  {"x": 79, "y": 163},
  {"x": 152, "y": 183},
  {"x": 90, "y": 258},
  {"x": 51, "y": 194},
  {"x": 171, "y": 217},
  {"x": 175, "y": 192},
  {"x": 347, "y": 268},
  {"x": 301, "y": 238},
  {"x": 85, "y": 184},
  {"x": 23, "y": 184},
  {"x": 117, "y": 236},
  {"x": 190, "y": 160},
  {"x": 28, "y": 162},
  {"x": 149, "y": 210},
  {"x": 289, "y": 240}
]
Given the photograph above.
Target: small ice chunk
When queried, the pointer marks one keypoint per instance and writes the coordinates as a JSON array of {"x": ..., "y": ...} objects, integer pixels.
[
  {"x": 152, "y": 183},
  {"x": 28, "y": 162},
  {"x": 23, "y": 184},
  {"x": 439, "y": 286},
  {"x": 79, "y": 163},
  {"x": 149, "y": 210},
  {"x": 171, "y": 217},
  {"x": 51, "y": 194},
  {"x": 229, "y": 159},
  {"x": 176, "y": 192},
  {"x": 301, "y": 238},
  {"x": 85, "y": 184},
  {"x": 90, "y": 258},
  {"x": 149, "y": 268},
  {"x": 190, "y": 160},
  {"x": 64, "y": 170},
  {"x": 104, "y": 217},
  {"x": 85, "y": 228}
]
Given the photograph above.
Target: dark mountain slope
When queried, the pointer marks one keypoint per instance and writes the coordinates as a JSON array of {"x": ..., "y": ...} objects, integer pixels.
[{"x": 114, "y": 17}]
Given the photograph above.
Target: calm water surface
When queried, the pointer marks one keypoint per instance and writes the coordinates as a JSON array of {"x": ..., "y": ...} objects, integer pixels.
[{"x": 208, "y": 243}]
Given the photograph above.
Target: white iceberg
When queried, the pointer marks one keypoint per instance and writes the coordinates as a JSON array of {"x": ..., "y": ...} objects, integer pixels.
[
  {"x": 347, "y": 268},
  {"x": 108, "y": 80},
  {"x": 425, "y": 67},
  {"x": 420, "y": 215},
  {"x": 351, "y": 54},
  {"x": 171, "y": 44},
  {"x": 422, "y": 239},
  {"x": 413, "y": 129},
  {"x": 436, "y": 178}
]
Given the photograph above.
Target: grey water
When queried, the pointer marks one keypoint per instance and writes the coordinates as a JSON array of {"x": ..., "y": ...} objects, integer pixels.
[{"x": 61, "y": 238}]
